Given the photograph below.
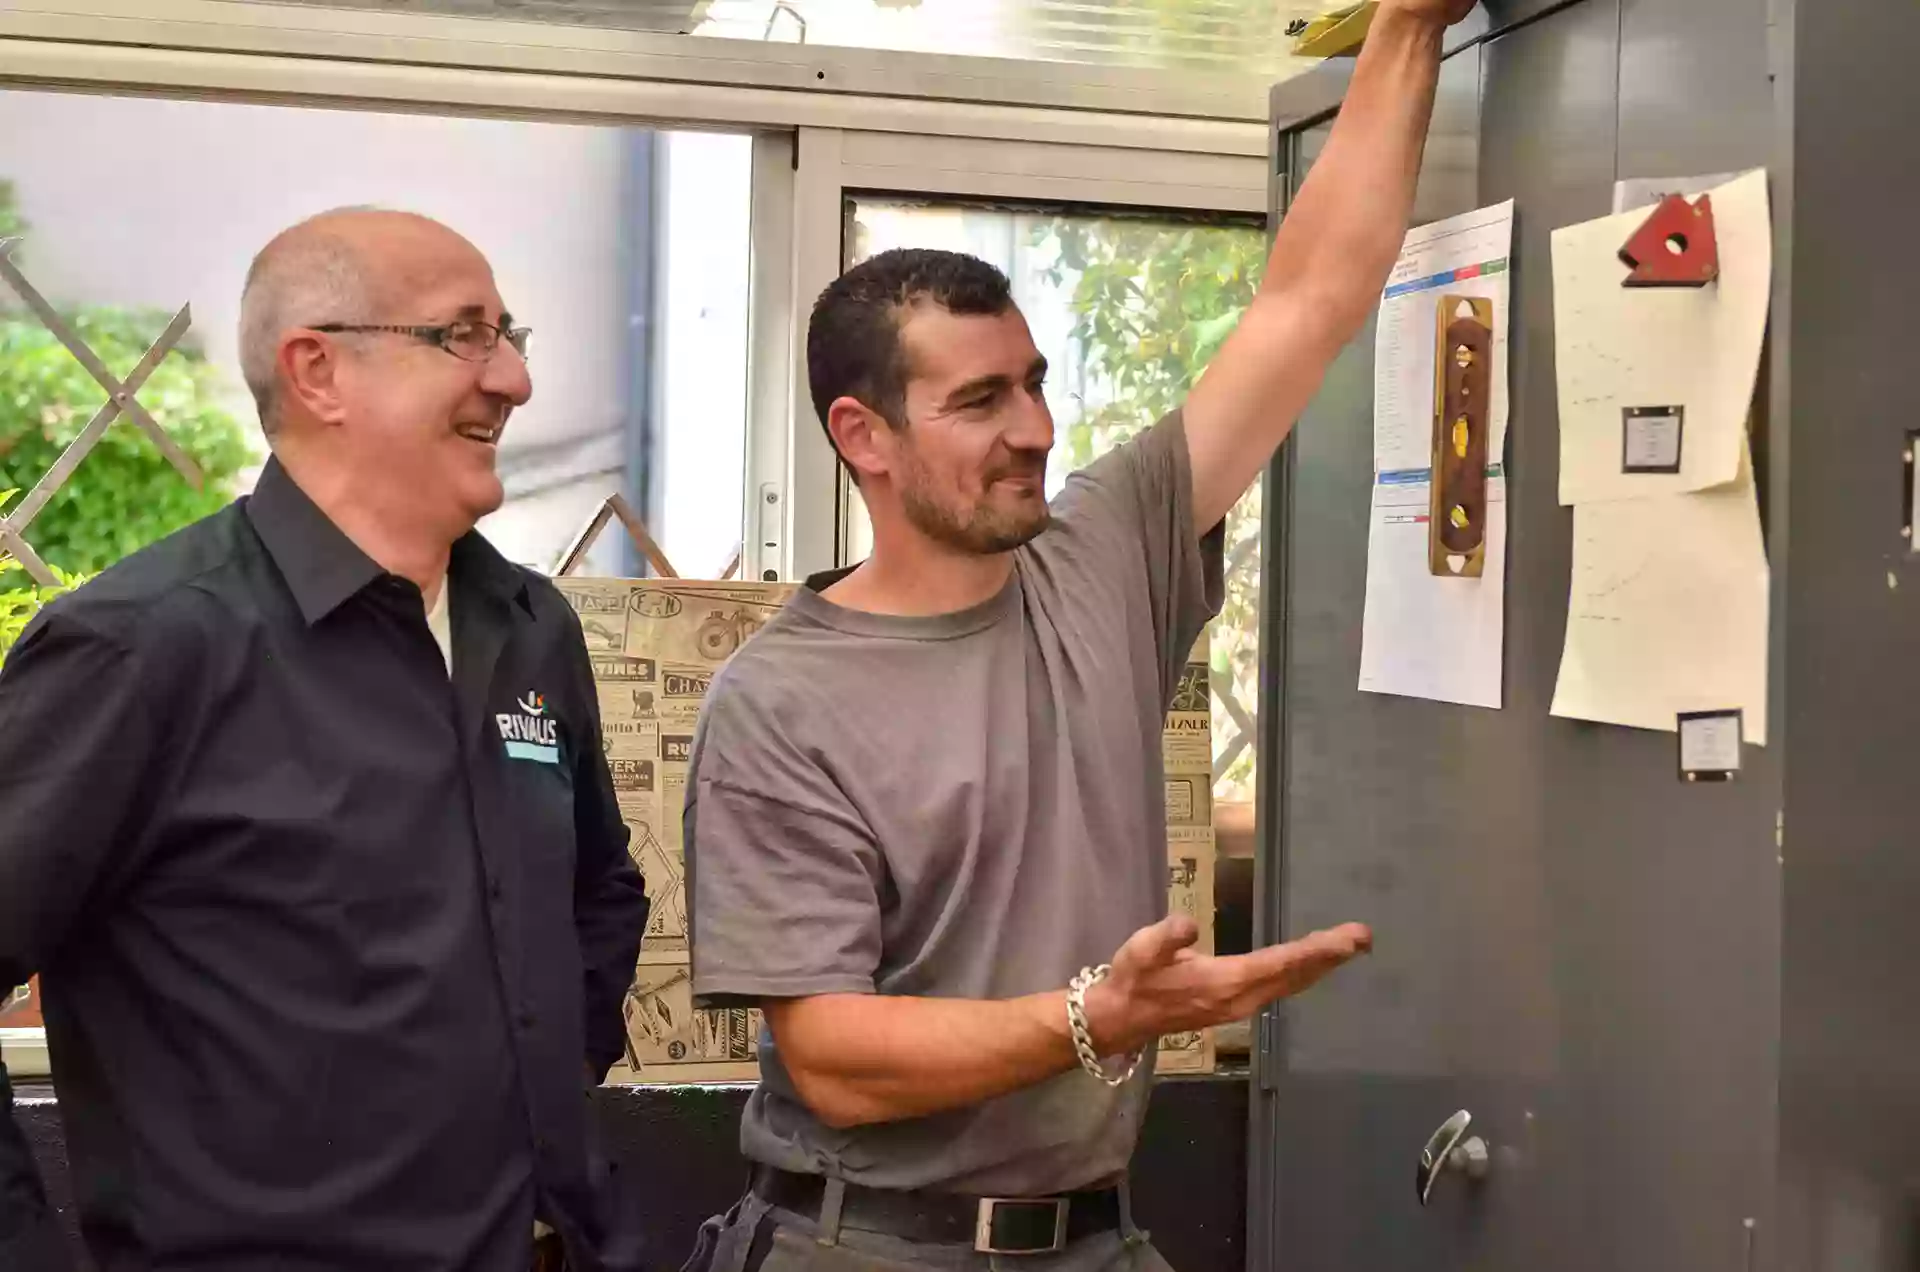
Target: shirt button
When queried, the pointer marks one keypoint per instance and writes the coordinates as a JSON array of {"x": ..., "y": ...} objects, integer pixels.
[
  {"x": 526, "y": 1021},
  {"x": 493, "y": 890}
]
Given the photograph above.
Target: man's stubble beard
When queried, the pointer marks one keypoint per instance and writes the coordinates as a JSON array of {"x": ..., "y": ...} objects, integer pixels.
[{"x": 985, "y": 533}]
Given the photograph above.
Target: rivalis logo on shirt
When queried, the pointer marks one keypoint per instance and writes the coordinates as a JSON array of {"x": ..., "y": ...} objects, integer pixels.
[{"x": 530, "y": 733}]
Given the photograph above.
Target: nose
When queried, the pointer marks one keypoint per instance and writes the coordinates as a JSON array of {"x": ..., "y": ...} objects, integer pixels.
[
  {"x": 507, "y": 375},
  {"x": 1032, "y": 425}
]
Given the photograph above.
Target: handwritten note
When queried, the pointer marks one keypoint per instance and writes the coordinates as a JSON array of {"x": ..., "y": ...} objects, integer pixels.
[
  {"x": 1620, "y": 348},
  {"x": 1668, "y": 609}
]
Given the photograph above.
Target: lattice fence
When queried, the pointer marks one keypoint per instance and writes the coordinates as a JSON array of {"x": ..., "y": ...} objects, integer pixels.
[{"x": 122, "y": 400}]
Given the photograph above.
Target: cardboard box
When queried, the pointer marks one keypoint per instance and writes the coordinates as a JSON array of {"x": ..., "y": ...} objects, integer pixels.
[{"x": 1187, "y": 750}]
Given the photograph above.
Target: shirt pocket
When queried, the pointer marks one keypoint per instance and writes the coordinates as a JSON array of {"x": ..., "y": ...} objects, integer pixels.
[
  {"x": 534, "y": 838},
  {"x": 540, "y": 795}
]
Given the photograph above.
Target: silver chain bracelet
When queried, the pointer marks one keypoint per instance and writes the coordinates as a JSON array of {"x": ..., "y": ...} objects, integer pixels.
[{"x": 1082, "y": 1036}]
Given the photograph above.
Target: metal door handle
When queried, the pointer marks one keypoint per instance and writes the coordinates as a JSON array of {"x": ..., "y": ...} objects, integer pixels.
[{"x": 1451, "y": 1149}]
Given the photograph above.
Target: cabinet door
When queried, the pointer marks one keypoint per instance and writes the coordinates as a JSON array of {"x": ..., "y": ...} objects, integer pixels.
[{"x": 1573, "y": 948}]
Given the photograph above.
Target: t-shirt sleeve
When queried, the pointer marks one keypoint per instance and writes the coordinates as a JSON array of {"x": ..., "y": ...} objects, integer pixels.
[
  {"x": 1130, "y": 513},
  {"x": 784, "y": 878}
]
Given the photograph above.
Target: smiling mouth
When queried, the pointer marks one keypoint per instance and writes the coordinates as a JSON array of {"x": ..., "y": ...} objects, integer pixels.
[{"x": 486, "y": 434}]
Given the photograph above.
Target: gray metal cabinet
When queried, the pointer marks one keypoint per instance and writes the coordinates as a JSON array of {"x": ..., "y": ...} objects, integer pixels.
[{"x": 1678, "y": 1014}]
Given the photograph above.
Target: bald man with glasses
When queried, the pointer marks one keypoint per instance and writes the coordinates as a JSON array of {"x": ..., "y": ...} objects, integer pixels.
[{"x": 309, "y": 832}]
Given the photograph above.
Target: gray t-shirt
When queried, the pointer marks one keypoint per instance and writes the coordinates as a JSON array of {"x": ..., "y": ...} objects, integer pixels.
[{"x": 963, "y": 806}]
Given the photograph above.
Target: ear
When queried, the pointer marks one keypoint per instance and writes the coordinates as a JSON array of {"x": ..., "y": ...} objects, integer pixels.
[
  {"x": 310, "y": 375},
  {"x": 864, "y": 439}
]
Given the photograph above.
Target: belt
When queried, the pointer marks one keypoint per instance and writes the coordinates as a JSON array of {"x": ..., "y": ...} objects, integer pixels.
[{"x": 990, "y": 1225}]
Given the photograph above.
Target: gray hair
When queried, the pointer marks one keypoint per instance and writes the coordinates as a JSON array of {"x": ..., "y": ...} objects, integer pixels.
[{"x": 308, "y": 276}]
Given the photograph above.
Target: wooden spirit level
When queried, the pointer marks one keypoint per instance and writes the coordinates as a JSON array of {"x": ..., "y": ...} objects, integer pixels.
[{"x": 1462, "y": 424}]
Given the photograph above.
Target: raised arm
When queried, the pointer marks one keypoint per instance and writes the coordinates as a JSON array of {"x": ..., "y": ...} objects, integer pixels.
[{"x": 1330, "y": 258}]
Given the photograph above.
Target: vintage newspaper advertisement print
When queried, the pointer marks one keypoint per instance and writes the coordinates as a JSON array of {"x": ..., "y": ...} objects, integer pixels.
[
  {"x": 668, "y": 1041},
  {"x": 1188, "y": 757},
  {"x": 655, "y": 646}
]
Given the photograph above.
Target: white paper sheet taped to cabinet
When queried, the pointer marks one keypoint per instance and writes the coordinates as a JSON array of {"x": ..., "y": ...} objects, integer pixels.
[
  {"x": 1645, "y": 192},
  {"x": 1424, "y": 636},
  {"x": 1668, "y": 609},
  {"x": 1622, "y": 349}
]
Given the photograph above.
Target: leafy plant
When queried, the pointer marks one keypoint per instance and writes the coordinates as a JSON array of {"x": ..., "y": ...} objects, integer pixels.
[
  {"x": 19, "y": 603},
  {"x": 125, "y": 494},
  {"x": 1153, "y": 301}
]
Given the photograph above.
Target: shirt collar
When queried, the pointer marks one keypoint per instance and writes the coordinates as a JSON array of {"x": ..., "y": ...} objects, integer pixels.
[
  {"x": 321, "y": 565},
  {"x": 324, "y": 568},
  {"x": 476, "y": 563}
]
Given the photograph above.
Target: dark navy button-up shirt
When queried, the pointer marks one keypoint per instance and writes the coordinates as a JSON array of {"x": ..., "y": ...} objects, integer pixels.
[{"x": 330, "y": 942}]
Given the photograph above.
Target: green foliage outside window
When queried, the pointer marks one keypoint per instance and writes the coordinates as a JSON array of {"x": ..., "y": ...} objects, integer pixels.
[
  {"x": 22, "y": 598},
  {"x": 1152, "y": 302},
  {"x": 1156, "y": 300},
  {"x": 125, "y": 494}
]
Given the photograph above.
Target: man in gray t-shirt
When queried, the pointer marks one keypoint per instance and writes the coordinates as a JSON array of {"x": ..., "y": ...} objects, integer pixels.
[
  {"x": 963, "y": 805},
  {"x": 925, "y": 825}
]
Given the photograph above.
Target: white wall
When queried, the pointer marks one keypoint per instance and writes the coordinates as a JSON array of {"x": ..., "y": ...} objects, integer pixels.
[{"x": 141, "y": 202}]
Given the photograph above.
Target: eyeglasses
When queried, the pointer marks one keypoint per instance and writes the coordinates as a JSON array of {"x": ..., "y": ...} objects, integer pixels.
[{"x": 468, "y": 339}]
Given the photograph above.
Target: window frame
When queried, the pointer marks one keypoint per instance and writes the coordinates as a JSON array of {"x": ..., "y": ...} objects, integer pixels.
[
  {"x": 836, "y": 165},
  {"x": 828, "y": 123},
  {"x": 252, "y": 46}
]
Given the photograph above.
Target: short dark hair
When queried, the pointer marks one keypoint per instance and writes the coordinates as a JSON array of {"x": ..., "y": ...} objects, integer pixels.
[{"x": 853, "y": 339}]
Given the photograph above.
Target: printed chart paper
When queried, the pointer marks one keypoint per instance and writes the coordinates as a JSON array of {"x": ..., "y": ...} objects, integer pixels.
[{"x": 1424, "y": 636}]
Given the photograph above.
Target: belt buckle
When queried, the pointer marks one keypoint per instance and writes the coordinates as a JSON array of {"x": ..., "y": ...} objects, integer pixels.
[{"x": 983, "y": 1238}]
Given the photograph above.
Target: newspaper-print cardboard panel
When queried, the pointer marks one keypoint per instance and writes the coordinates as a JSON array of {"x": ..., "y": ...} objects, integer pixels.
[
  {"x": 655, "y": 646},
  {"x": 1190, "y": 871},
  {"x": 1188, "y": 756},
  {"x": 668, "y": 1041}
]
